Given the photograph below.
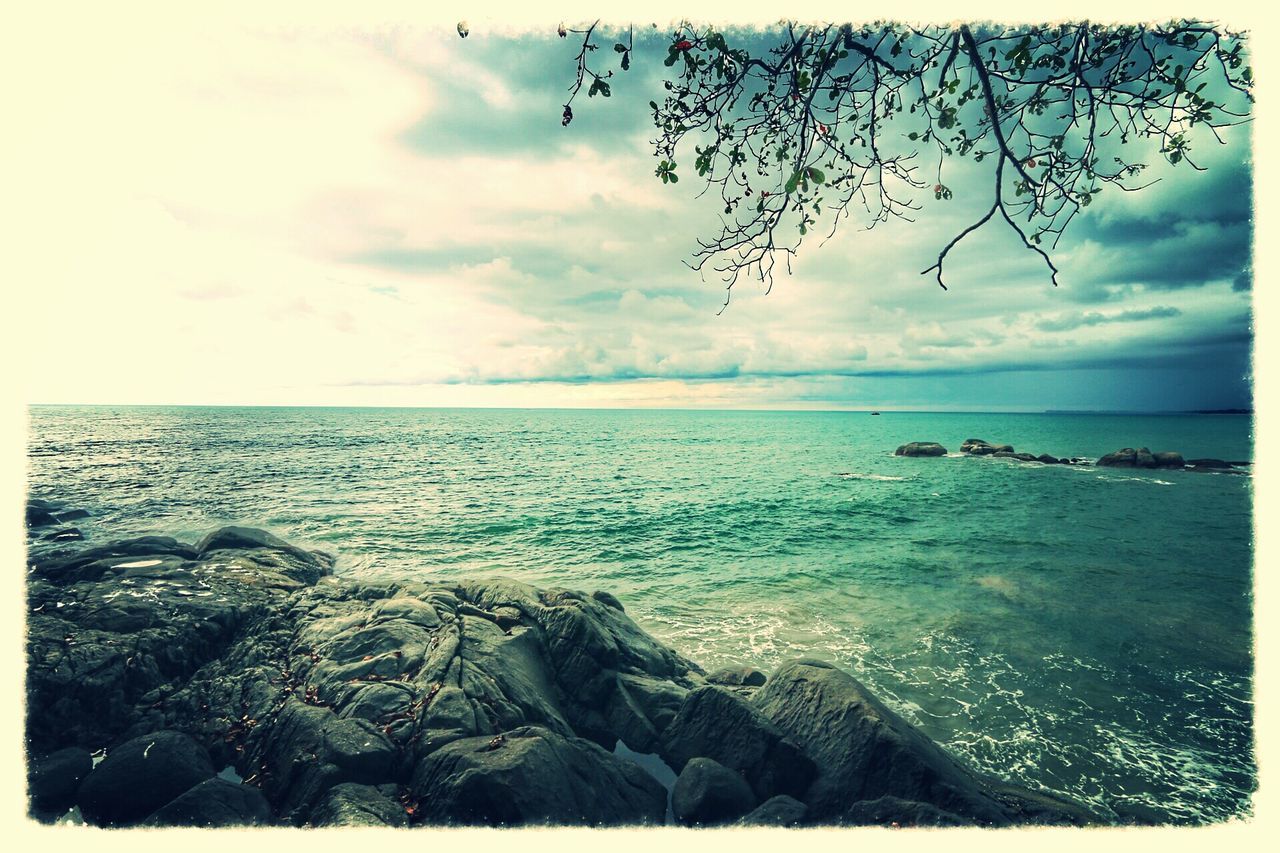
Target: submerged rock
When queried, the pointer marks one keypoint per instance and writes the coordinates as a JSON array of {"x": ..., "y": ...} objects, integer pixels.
[{"x": 921, "y": 448}]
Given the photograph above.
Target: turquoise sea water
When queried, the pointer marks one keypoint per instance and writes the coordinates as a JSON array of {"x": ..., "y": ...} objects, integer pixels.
[{"x": 1082, "y": 630}]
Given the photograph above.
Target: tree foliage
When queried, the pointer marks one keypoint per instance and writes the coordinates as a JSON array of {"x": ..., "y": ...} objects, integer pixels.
[{"x": 830, "y": 120}]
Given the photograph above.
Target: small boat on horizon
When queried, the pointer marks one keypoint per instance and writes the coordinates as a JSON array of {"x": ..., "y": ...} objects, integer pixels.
[{"x": 875, "y": 413}]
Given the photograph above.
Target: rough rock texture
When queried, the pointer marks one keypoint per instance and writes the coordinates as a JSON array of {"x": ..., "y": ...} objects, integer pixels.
[
  {"x": 342, "y": 702},
  {"x": 921, "y": 448},
  {"x": 1141, "y": 458},
  {"x": 864, "y": 751},
  {"x": 895, "y": 812},
  {"x": 531, "y": 775},
  {"x": 776, "y": 811},
  {"x": 141, "y": 775},
  {"x": 714, "y": 723},
  {"x": 707, "y": 793},
  {"x": 214, "y": 802},
  {"x": 349, "y": 804},
  {"x": 738, "y": 676}
]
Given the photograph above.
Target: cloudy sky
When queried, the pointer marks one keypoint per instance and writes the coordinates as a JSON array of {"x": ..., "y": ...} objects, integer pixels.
[{"x": 391, "y": 215}]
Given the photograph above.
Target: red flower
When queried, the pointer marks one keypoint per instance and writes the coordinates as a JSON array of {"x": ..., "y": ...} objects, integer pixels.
[{"x": 684, "y": 44}]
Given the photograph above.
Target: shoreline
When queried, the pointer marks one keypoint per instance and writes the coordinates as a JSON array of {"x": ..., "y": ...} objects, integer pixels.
[{"x": 442, "y": 704}]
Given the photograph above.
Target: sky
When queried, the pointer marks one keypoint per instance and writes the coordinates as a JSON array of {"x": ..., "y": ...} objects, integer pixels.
[{"x": 387, "y": 214}]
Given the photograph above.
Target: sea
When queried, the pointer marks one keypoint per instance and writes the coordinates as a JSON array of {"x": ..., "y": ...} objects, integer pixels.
[{"x": 1081, "y": 630}]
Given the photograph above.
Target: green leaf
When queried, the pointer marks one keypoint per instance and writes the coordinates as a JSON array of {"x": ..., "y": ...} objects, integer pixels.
[
  {"x": 817, "y": 176},
  {"x": 619, "y": 48}
]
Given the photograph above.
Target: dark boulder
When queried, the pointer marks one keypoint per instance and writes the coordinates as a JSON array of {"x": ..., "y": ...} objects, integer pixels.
[
  {"x": 714, "y": 723},
  {"x": 707, "y": 793},
  {"x": 608, "y": 599},
  {"x": 141, "y": 775},
  {"x": 214, "y": 802},
  {"x": 976, "y": 447},
  {"x": 70, "y": 534},
  {"x": 895, "y": 812},
  {"x": 1009, "y": 454},
  {"x": 921, "y": 448},
  {"x": 1209, "y": 463},
  {"x": 53, "y": 779},
  {"x": 776, "y": 811},
  {"x": 738, "y": 676},
  {"x": 39, "y": 516},
  {"x": 308, "y": 566},
  {"x": 1169, "y": 459},
  {"x": 1128, "y": 457},
  {"x": 865, "y": 751},
  {"x": 1049, "y": 460},
  {"x": 349, "y": 804},
  {"x": 533, "y": 776}
]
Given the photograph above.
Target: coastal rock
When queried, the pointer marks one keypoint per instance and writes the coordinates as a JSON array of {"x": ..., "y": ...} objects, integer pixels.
[
  {"x": 493, "y": 702},
  {"x": 1169, "y": 459},
  {"x": 895, "y": 812},
  {"x": 214, "y": 802},
  {"x": 865, "y": 751},
  {"x": 141, "y": 775},
  {"x": 533, "y": 776},
  {"x": 714, "y": 723},
  {"x": 1209, "y": 463},
  {"x": 978, "y": 447},
  {"x": 38, "y": 516},
  {"x": 70, "y": 534},
  {"x": 349, "y": 804},
  {"x": 776, "y": 811},
  {"x": 1009, "y": 454},
  {"x": 1127, "y": 457},
  {"x": 707, "y": 793},
  {"x": 1049, "y": 460},
  {"x": 738, "y": 676},
  {"x": 921, "y": 448},
  {"x": 52, "y": 780}
]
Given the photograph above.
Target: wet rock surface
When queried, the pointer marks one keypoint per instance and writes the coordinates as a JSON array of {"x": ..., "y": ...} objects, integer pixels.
[
  {"x": 921, "y": 448},
  {"x": 342, "y": 702}
]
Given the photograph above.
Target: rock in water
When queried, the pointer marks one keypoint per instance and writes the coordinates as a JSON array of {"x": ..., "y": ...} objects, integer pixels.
[
  {"x": 707, "y": 793},
  {"x": 1169, "y": 459},
  {"x": 865, "y": 751},
  {"x": 921, "y": 448},
  {"x": 141, "y": 775},
  {"x": 533, "y": 776},
  {"x": 978, "y": 447}
]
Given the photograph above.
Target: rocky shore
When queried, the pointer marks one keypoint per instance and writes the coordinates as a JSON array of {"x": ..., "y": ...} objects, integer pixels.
[
  {"x": 237, "y": 681},
  {"x": 1127, "y": 457}
]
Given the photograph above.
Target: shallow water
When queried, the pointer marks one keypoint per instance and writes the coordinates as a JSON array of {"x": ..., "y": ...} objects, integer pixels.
[{"x": 1079, "y": 629}]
